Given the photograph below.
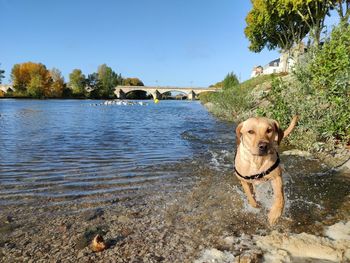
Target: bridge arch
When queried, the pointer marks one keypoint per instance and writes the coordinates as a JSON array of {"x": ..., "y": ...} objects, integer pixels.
[
  {"x": 121, "y": 91},
  {"x": 181, "y": 93},
  {"x": 137, "y": 94}
]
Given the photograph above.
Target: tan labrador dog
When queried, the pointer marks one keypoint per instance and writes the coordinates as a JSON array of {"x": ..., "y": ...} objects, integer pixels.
[{"x": 257, "y": 159}]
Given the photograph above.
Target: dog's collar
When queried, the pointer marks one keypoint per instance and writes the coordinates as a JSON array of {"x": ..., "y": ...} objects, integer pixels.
[{"x": 260, "y": 175}]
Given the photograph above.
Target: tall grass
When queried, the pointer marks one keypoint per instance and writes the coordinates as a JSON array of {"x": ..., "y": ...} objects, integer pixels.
[{"x": 230, "y": 103}]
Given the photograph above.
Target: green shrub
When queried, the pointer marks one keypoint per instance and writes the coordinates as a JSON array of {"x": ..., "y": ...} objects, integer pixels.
[
  {"x": 205, "y": 96},
  {"x": 326, "y": 78},
  {"x": 231, "y": 103},
  {"x": 319, "y": 93},
  {"x": 230, "y": 81}
]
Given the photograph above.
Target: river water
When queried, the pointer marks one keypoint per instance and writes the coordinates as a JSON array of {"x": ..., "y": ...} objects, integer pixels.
[
  {"x": 159, "y": 173},
  {"x": 56, "y": 151}
]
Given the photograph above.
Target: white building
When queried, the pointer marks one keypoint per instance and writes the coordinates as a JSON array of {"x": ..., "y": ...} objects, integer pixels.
[{"x": 285, "y": 63}]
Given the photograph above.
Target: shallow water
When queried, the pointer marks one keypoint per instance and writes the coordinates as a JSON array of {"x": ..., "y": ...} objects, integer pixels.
[{"x": 61, "y": 150}]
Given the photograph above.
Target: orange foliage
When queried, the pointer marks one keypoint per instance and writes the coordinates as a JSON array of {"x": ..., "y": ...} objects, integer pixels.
[
  {"x": 58, "y": 84},
  {"x": 33, "y": 78}
]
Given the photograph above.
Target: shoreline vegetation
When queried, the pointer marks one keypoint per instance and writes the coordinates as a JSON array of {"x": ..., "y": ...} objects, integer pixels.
[
  {"x": 317, "y": 89},
  {"x": 32, "y": 80}
]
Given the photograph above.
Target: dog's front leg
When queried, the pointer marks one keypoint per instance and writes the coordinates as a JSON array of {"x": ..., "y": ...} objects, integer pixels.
[
  {"x": 248, "y": 189},
  {"x": 278, "y": 204}
]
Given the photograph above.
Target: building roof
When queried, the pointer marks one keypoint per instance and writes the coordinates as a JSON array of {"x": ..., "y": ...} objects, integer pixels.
[{"x": 272, "y": 63}]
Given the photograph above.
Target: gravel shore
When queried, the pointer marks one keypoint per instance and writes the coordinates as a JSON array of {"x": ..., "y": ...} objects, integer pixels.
[{"x": 191, "y": 223}]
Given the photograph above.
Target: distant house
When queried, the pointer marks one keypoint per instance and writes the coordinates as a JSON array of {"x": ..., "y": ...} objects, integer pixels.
[
  {"x": 285, "y": 63},
  {"x": 257, "y": 70},
  {"x": 89, "y": 89},
  {"x": 273, "y": 67}
]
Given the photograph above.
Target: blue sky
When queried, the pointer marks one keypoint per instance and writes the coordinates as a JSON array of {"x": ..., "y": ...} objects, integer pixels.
[{"x": 162, "y": 42}]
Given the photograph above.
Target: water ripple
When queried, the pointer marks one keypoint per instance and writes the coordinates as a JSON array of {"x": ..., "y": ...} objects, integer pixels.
[{"x": 54, "y": 152}]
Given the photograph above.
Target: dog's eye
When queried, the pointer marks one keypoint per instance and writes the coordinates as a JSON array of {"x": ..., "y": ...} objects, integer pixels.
[
  {"x": 251, "y": 132},
  {"x": 268, "y": 130}
]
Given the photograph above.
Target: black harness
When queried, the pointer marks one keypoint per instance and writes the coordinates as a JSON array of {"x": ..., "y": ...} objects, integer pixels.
[{"x": 260, "y": 175}]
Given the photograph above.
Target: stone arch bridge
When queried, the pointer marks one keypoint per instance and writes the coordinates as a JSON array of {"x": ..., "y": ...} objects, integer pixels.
[{"x": 191, "y": 92}]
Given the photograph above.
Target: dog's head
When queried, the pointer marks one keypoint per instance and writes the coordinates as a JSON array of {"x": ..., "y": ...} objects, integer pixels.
[{"x": 259, "y": 135}]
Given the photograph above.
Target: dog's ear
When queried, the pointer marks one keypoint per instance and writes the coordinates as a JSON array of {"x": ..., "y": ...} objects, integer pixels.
[
  {"x": 278, "y": 131},
  {"x": 238, "y": 133}
]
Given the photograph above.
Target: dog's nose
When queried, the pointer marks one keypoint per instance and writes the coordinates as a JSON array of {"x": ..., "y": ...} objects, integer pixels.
[{"x": 262, "y": 147}]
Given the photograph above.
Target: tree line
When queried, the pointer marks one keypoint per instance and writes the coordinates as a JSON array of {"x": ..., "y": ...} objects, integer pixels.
[{"x": 34, "y": 80}]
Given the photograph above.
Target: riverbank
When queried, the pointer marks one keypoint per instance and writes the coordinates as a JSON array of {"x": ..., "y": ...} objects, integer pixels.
[
  {"x": 262, "y": 96},
  {"x": 316, "y": 89},
  {"x": 207, "y": 219}
]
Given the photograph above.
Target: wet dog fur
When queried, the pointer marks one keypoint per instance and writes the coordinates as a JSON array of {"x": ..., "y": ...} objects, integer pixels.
[{"x": 257, "y": 140}]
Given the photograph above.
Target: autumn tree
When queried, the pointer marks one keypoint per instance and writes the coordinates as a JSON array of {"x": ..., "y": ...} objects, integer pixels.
[
  {"x": 132, "y": 82},
  {"x": 77, "y": 82},
  {"x": 108, "y": 80},
  {"x": 32, "y": 79},
  {"x": 58, "y": 85}
]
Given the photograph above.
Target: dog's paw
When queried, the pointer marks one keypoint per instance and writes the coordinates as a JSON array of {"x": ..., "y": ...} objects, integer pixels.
[{"x": 274, "y": 215}]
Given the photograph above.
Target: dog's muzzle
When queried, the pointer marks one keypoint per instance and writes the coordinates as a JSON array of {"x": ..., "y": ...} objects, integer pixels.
[{"x": 263, "y": 148}]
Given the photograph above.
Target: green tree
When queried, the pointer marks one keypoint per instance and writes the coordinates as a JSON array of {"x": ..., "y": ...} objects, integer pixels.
[
  {"x": 34, "y": 88},
  {"x": 108, "y": 80},
  {"x": 132, "y": 82},
  {"x": 217, "y": 85},
  {"x": 230, "y": 81},
  {"x": 2, "y": 74},
  {"x": 77, "y": 82},
  {"x": 94, "y": 85},
  {"x": 92, "y": 81},
  {"x": 312, "y": 13},
  {"x": 274, "y": 24}
]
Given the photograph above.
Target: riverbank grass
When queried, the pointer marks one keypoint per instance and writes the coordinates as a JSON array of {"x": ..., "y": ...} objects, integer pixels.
[{"x": 318, "y": 90}]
